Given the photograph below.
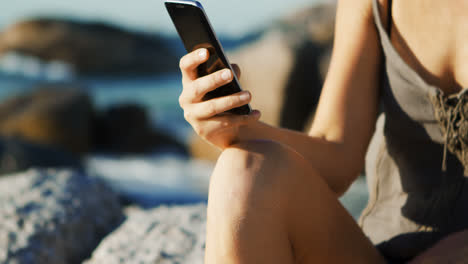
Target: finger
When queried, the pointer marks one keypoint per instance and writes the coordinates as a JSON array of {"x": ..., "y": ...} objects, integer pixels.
[
  {"x": 208, "y": 83},
  {"x": 188, "y": 64},
  {"x": 237, "y": 70},
  {"x": 216, "y": 106}
]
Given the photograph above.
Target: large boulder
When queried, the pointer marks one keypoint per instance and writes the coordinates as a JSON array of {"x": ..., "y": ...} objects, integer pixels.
[
  {"x": 19, "y": 155},
  {"x": 284, "y": 70},
  {"x": 127, "y": 128},
  {"x": 162, "y": 235},
  {"x": 53, "y": 217},
  {"x": 53, "y": 115},
  {"x": 90, "y": 48},
  {"x": 63, "y": 117}
]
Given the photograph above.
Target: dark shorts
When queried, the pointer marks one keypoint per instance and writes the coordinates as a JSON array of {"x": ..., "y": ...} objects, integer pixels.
[
  {"x": 403, "y": 248},
  {"x": 391, "y": 259}
]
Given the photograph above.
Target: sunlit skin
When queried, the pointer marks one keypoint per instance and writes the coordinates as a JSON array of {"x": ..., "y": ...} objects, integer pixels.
[{"x": 274, "y": 192}]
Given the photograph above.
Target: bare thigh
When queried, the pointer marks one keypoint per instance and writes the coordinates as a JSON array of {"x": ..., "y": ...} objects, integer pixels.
[{"x": 268, "y": 205}]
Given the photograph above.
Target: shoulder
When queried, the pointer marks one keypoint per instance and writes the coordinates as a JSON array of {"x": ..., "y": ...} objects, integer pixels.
[
  {"x": 365, "y": 9},
  {"x": 357, "y": 8},
  {"x": 357, "y": 11}
]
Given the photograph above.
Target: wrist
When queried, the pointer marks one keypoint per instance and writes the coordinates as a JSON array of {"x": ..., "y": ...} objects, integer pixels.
[{"x": 249, "y": 131}]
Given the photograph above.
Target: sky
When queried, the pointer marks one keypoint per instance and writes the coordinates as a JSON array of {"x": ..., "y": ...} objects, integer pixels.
[{"x": 233, "y": 17}]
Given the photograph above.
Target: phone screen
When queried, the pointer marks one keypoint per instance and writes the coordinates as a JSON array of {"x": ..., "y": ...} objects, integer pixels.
[{"x": 195, "y": 32}]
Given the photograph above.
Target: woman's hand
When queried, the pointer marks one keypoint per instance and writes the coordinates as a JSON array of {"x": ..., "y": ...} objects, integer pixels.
[{"x": 208, "y": 118}]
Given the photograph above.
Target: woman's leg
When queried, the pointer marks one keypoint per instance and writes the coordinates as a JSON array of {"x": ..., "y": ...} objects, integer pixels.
[{"x": 267, "y": 205}]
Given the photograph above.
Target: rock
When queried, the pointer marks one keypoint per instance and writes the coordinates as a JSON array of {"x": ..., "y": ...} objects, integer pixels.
[
  {"x": 127, "y": 128},
  {"x": 162, "y": 235},
  {"x": 284, "y": 70},
  {"x": 17, "y": 155},
  {"x": 91, "y": 48},
  {"x": 50, "y": 216},
  {"x": 52, "y": 115},
  {"x": 286, "y": 86},
  {"x": 63, "y": 117}
]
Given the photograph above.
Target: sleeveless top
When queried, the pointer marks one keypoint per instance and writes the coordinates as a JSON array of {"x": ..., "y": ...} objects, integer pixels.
[{"x": 414, "y": 164}]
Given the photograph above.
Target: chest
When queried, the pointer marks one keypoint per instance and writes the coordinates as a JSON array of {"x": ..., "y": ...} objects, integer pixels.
[{"x": 431, "y": 36}]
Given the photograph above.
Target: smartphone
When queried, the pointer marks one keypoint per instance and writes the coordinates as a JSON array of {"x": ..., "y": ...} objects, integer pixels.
[{"x": 196, "y": 32}]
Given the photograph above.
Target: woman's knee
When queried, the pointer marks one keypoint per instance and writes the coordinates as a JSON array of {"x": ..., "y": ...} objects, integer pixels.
[
  {"x": 252, "y": 159},
  {"x": 251, "y": 173}
]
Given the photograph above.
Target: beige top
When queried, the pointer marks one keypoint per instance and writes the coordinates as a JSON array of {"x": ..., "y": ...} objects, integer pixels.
[{"x": 413, "y": 201}]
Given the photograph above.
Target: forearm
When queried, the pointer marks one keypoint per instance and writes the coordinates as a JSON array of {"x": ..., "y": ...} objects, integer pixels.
[{"x": 334, "y": 161}]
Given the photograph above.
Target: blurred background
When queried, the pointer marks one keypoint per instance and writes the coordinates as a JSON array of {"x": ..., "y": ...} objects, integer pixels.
[
  {"x": 94, "y": 85},
  {"x": 234, "y": 18}
]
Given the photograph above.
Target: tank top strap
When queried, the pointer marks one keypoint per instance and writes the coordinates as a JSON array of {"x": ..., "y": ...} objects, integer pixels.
[
  {"x": 383, "y": 30},
  {"x": 392, "y": 57}
]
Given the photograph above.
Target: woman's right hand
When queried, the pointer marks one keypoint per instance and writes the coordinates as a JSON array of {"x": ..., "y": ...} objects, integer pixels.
[{"x": 209, "y": 118}]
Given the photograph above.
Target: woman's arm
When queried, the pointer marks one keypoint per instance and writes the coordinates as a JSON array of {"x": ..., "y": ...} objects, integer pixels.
[{"x": 345, "y": 119}]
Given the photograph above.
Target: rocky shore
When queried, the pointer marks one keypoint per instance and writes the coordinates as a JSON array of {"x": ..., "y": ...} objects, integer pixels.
[
  {"x": 62, "y": 216},
  {"x": 54, "y": 216},
  {"x": 163, "y": 235}
]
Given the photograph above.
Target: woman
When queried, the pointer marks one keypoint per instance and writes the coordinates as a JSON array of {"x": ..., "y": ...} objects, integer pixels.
[{"x": 274, "y": 192}]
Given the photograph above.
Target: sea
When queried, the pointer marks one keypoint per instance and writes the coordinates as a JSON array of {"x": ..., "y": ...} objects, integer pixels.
[{"x": 162, "y": 177}]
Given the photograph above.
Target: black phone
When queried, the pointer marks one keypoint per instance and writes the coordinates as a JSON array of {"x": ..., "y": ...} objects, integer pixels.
[{"x": 196, "y": 32}]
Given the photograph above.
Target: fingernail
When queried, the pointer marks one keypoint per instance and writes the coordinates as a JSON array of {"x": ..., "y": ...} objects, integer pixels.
[
  {"x": 226, "y": 75},
  {"x": 244, "y": 96},
  {"x": 202, "y": 53}
]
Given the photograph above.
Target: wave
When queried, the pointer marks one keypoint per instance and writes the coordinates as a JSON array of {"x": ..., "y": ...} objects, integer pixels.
[
  {"x": 155, "y": 179},
  {"x": 18, "y": 64}
]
